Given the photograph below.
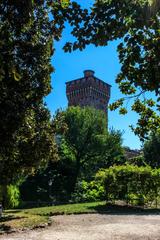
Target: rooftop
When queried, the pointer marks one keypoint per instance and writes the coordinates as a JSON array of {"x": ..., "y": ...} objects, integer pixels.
[{"x": 88, "y": 73}]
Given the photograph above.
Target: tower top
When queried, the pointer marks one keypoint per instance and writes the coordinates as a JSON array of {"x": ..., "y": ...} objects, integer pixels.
[
  {"x": 88, "y": 91},
  {"x": 88, "y": 73}
]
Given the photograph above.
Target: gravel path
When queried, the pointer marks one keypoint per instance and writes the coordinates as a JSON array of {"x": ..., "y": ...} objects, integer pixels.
[{"x": 96, "y": 227}]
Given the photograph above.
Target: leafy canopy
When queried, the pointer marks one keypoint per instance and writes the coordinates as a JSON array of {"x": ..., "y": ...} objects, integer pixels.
[
  {"x": 151, "y": 150},
  {"x": 136, "y": 24},
  {"x": 85, "y": 143}
]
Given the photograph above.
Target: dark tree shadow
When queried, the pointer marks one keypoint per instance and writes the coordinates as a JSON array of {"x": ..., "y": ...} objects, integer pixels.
[
  {"x": 115, "y": 209},
  {"x": 4, "y": 228},
  {"x": 9, "y": 218},
  {"x": 12, "y": 211}
]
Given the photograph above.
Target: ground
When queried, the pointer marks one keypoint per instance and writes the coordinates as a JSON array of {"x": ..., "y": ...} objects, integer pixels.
[{"x": 140, "y": 226}]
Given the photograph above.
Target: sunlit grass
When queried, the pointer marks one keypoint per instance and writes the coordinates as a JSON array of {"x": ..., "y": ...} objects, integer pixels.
[{"x": 30, "y": 218}]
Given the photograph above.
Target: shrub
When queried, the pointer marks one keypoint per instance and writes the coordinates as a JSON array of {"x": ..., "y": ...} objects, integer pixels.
[
  {"x": 88, "y": 192},
  {"x": 137, "y": 185},
  {"x": 13, "y": 196}
]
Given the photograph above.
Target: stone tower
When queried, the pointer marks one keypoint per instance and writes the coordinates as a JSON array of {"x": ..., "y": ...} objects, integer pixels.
[{"x": 88, "y": 91}]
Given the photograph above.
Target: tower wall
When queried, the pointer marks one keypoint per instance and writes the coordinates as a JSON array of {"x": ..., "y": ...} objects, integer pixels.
[{"x": 88, "y": 91}]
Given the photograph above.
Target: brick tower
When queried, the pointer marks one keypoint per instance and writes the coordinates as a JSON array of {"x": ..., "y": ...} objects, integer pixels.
[{"x": 88, "y": 91}]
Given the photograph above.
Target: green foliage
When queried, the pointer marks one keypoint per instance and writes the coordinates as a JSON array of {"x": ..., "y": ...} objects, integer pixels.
[
  {"x": 138, "y": 161},
  {"x": 137, "y": 185},
  {"x": 49, "y": 185},
  {"x": 136, "y": 24},
  {"x": 13, "y": 196},
  {"x": 88, "y": 191},
  {"x": 26, "y": 137},
  {"x": 85, "y": 144},
  {"x": 112, "y": 152},
  {"x": 151, "y": 150},
  {"x": 82, "y": 140}
]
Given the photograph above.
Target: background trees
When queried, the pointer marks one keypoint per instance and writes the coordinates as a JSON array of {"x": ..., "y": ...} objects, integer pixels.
[
  {"x": 26, "y": 35},
  {"x": 84, "y": 146},
  {"x": 151, "y": 151},
  {"x": 87, "y": 143}
]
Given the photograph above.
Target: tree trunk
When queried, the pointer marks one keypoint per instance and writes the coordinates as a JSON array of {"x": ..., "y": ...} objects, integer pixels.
[{"x": 75, "y": 177}]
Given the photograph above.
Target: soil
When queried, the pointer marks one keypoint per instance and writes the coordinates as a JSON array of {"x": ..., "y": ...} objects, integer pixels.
[{"x": 95, "y": 227}]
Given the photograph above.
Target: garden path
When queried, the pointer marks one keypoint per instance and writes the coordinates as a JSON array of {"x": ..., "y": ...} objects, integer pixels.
[{"x": 95, "y": 227}]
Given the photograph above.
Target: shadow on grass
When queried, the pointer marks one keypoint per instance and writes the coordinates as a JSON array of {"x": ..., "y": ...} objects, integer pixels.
[
  {"x": 114, "y": 209},
  {"x": 9, "y": 218},
  {"x": 4, "y": 228},
  {"x": 12, "y": 211}
]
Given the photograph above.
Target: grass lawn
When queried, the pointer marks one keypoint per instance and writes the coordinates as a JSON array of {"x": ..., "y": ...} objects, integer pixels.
[
  {"x": 34, "y": 217},
  {"x": 30, "y": 218}
]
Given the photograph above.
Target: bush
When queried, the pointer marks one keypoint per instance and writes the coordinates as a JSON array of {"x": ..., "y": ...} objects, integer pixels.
[
  {"x": 89, "y": 192},
  {"x": 137, "y": 161},
  {"x": 13, "y": 196},
  {"x": 133, "y": 184}
]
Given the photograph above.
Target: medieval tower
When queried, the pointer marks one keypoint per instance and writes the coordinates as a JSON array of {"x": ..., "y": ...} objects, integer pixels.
[{"x": 88, "y": 91}]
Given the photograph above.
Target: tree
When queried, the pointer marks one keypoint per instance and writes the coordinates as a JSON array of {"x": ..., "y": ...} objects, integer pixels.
[
  {"x": 26, "y": 137},
  {"x": 27, "y": 31},
  {"x": 86, "y": 144},
  {"x": 151, "y": 151},
  {"x": 26, "y": 36},
  {"x": 112, "y": 152},
  {"x": 136, "y": 24}
]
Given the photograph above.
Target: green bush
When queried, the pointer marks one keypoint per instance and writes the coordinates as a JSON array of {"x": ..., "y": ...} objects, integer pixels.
[
  {"x": 13, "y": 196},
  {"x": 89, "y": 192},
  {"x": 133, "y": 184}
]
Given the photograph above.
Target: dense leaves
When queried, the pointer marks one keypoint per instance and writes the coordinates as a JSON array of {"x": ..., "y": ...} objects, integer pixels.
[
  {"x": 27, "y": 31},
  {"x": 137, "y": 185},
  {"x": 136, "y": 24},
  {"x": 151, "y": 150},
  {"x": 86, "y": 144},
  {"x": 26, "y": 137},
  {"x": 89, "y": 191}
]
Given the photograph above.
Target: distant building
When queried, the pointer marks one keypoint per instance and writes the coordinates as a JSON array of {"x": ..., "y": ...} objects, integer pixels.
[
  {"x": 132, "y": 153},
  {"x": 88, "y": 91}
]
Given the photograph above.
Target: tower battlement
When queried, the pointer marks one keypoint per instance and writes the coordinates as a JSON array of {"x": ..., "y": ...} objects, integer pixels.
[{"x": 88, "y": 91}]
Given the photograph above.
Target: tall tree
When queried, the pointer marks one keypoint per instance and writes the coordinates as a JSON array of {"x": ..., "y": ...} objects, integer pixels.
[
  {"x": 26, "y": 49},
  {"x": 27, "y": 31},
  {"x": 151, "y": 150},
  {"x": 86, "y": 144}
]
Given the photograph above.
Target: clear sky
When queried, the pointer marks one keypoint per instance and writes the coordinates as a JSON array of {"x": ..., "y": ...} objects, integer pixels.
[{"x": 104, "y": 61}]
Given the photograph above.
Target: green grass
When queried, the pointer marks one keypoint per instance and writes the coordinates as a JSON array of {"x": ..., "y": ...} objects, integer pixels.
[
  {"x": 65, "y": 209},
  {"x": 30, "y": 218}
]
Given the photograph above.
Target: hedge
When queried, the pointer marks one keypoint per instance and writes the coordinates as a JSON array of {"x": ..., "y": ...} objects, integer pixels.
[{"x": 133, "y": 184}]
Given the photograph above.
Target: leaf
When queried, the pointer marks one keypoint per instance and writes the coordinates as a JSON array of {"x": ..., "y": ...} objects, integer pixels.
[
  {"x": 17, "y": 76},
  {"x": 65, "y": 3},
  {"x": 123, "y": 111}
]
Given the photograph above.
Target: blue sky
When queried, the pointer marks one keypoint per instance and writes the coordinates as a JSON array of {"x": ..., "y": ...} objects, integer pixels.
[{"x": 104, "y": 61}]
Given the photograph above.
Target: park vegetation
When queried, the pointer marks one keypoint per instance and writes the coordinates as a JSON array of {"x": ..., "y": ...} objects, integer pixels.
[
  {"x": 73, "y": 157},
  {"x": 84, "y": 146}
]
